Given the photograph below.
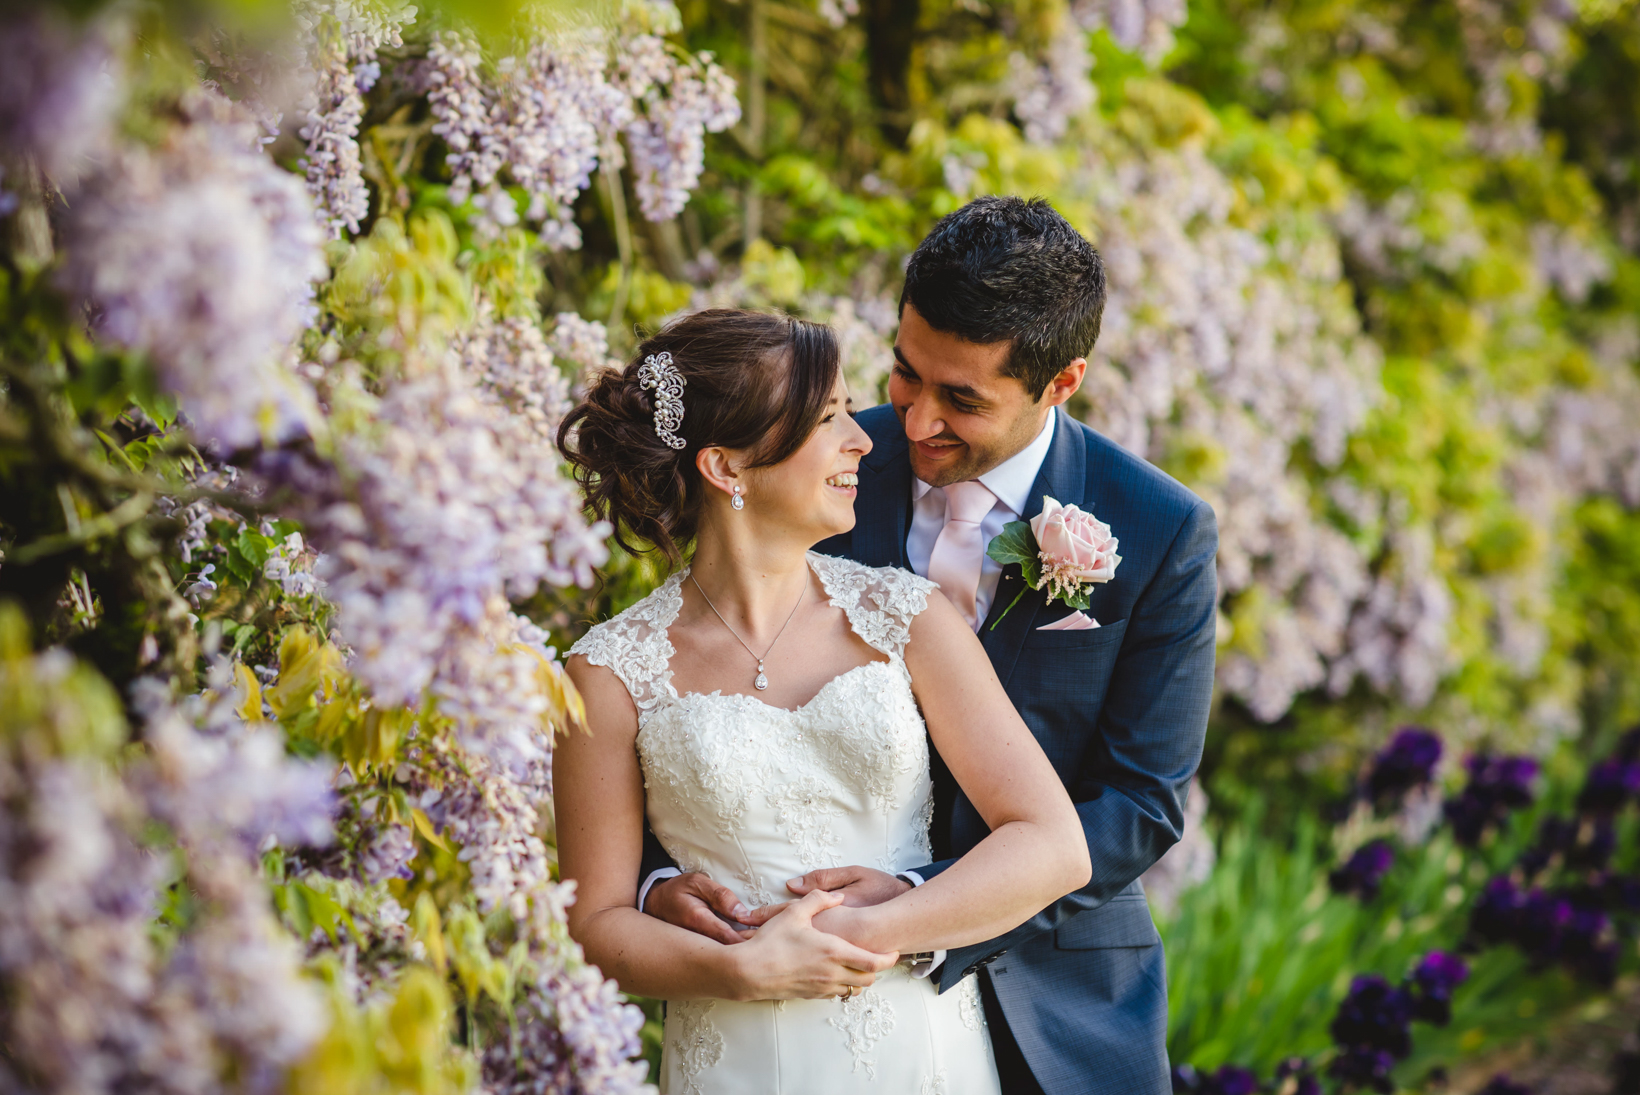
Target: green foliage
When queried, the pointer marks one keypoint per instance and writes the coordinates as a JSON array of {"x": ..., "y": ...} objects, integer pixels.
[{"x": 1261, "y": 954}]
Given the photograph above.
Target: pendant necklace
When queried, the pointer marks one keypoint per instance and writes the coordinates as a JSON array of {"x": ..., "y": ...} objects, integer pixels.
[{"x": 762, "y": 680}]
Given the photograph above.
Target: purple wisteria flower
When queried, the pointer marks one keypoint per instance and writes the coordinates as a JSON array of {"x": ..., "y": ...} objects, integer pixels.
[
  {"x": 1497, "y": 785},
  {"x": 1372, "y": 1032},
  {"x": 1407, "y": 762},
  {"x": 1433, "y": 982},
  {"x": 1503, "y": 1085},
  {"x": 1365, "y": 870}
]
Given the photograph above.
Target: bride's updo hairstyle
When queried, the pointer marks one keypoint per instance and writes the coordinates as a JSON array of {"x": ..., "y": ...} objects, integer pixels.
[{"x": 752, "y": 381}]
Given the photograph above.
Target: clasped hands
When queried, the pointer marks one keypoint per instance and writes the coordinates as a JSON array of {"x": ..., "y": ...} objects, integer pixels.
[{"x": 816, "y": 945}]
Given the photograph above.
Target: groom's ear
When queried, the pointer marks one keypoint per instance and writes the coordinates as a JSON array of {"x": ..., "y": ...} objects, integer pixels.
[{"x": 1065, "y": 382}]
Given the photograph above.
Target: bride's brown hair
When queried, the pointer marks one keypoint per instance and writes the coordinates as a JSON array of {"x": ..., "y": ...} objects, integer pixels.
[{"x": 753, "y": 381}]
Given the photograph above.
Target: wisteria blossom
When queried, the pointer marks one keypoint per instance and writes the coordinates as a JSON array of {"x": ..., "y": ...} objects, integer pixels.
[
  {"x": 202, "y": 254},
  {"x": 545, "y": 120},
  {"x": 95, "y": 1006},
  {"x": 60, "y": 85},
  {"x": 1230, "y": 352},
  {"x": 1050, "y": 92},
  {"x": 1143, "y": 26},
  {"x": 677, "y": 99},
  {"x": 450, "y": 505},
  {"x": 339, "y": 40}
]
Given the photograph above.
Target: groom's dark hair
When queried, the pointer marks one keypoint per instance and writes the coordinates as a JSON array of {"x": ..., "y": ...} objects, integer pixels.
[{"x": 1003, "y": 269}]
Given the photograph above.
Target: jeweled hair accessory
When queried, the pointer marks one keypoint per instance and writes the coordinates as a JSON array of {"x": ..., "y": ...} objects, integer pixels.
[{"x": 659, "y": 373}]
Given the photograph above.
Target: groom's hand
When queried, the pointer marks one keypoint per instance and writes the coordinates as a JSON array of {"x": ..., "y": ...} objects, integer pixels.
[
  {"x": 860, "y": 886},
  {"x": 706, "y": 908}
]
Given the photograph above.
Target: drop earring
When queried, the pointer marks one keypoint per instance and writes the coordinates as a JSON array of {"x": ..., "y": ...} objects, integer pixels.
[{"x": 738, "y": 502}]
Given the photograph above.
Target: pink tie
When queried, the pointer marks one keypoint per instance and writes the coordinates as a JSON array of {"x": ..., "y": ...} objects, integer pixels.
[{"x": 960, "y": 548}]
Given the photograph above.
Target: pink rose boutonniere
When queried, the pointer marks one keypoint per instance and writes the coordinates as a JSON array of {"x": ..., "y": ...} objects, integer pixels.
[{"x": 1063, "y": 549}]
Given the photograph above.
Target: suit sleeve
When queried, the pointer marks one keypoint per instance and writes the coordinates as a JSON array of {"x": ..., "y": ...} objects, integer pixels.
[
  {"x": 1131, "y": 787},
  {"x": 654, "y": 858}
]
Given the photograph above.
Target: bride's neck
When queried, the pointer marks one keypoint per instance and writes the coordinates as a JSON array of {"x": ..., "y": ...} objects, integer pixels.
[{"x": 750, "y": 578}]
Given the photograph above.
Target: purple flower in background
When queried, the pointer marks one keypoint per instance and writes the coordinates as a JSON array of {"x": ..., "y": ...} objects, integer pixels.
[
  {"x": 1374, "y": 1017},
  {"x": 1433, "y": 981},
  {"x": 1543, "y": 920},
  {"x": 1586, "y": 945},
  {"x": 1407, "y": 762},
  {"x": 1610, "y": 785},
  {"x": 1620, "y": 891},
  {"x": 1364, "y": 1067},
  {"x": 1557, "y": 835},
  {"x": 1502, "y": 1085},
  {"x": 1299, "y": 1068},
  {"x": 1595, "y": 852},
  {"x": 1496, "y": 916},
  {"x": 1230, "y": 1080},
  {"x": 1497, "y": 785},
  {"x": 1365, "y": 871}
]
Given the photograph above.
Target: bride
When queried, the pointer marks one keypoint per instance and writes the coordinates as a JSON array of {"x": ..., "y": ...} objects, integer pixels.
[{"x": 763, "y": 710}]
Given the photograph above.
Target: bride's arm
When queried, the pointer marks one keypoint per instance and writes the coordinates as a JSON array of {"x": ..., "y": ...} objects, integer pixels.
[
  {"x": 1036, "y": 852},
  {"x": 598, "y": 798}
]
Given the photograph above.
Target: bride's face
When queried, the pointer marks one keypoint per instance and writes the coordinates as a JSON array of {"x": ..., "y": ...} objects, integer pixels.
[{"x": 813, "y": 490}]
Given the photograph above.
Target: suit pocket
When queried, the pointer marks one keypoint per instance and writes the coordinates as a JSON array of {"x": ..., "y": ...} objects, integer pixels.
[
  {"x": 1109, "y": 635},
  {"x": 1123, "y": 921}
]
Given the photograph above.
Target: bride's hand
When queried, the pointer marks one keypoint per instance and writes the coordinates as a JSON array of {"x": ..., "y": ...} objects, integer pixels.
[{"x": 791, "y": 959}]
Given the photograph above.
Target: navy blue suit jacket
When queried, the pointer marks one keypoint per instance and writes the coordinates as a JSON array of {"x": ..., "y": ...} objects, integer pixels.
[{"x": 1121, "y": 712}]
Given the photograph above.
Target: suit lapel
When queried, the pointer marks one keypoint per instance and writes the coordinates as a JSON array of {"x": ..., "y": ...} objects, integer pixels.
[
  {"x": 882, "y": 511},
  {"x": 1063, "y": 475}
]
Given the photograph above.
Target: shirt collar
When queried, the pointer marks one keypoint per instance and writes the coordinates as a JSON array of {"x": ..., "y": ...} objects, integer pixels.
[{"x": 1011, "y": 480}]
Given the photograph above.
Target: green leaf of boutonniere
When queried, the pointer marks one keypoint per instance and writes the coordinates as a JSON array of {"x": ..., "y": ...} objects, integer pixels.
[{"x": 1016, "y": 544}]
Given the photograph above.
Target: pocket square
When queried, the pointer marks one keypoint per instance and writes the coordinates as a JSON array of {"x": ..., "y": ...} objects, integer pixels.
[{"x": 1076, "y": 621}]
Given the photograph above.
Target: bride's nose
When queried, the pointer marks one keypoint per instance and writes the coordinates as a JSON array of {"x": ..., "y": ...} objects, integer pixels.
[{"x": 857, "y": 441}]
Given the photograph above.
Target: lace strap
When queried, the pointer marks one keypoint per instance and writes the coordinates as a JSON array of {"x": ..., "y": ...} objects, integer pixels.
[
  {"x": 880, "y": 602},
  {"x": 634, "y": 645}
]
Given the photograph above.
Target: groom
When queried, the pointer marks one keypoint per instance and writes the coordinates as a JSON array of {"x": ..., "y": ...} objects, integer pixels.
[{"x": 1001, "y": 305}]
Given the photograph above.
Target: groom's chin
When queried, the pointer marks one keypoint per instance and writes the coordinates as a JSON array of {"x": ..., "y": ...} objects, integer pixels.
[{"x": 940, "y": 473}]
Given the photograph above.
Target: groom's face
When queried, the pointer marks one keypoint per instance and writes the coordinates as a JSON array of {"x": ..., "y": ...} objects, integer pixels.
[{"x": 961, "y": 415}]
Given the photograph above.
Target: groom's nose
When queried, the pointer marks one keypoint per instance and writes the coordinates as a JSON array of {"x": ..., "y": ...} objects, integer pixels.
[{"x": 922, "y": 420}]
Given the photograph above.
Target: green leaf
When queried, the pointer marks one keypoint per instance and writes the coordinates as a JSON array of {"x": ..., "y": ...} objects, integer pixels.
[
  {"x": 254, "y": 547},
  {"x": 1014, "y": 544},
  {"x": 239, "y": 566}
]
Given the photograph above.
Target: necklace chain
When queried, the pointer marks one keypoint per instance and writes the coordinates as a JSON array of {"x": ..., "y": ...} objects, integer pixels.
[{"x": 762, "y": 680}]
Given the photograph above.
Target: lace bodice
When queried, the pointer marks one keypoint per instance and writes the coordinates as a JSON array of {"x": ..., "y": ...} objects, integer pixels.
[{"x": 754, "y": 794}]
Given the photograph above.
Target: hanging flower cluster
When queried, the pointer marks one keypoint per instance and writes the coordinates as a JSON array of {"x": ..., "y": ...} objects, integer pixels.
[
  {"x": 1142, "y": 26},
  {"x": 338, "y": 44},
  {"x": 546, "y": 119},
  {"x": 92, "y": 1003},
  {"x": 1048, "y": 93},
  {"x": 202, "y": 254}
]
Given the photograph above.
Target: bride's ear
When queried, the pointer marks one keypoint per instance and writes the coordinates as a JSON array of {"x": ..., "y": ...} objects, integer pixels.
[{"x": 719, "y": 469}]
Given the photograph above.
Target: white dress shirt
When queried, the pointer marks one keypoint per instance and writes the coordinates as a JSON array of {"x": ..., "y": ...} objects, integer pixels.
[{"x": 1010, "y": 481}]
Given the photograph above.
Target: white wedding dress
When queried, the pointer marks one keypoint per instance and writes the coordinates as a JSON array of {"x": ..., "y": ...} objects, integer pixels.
[{"x": 753, "y": 795}]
